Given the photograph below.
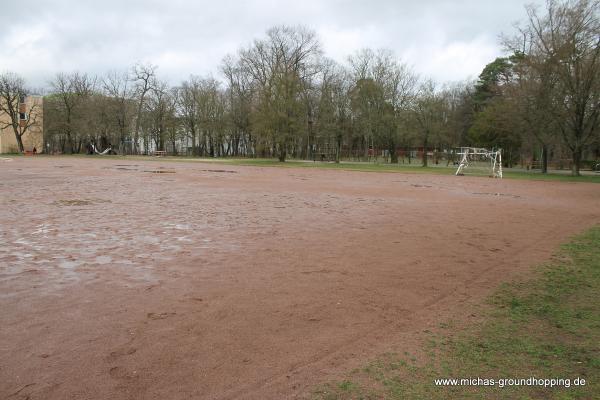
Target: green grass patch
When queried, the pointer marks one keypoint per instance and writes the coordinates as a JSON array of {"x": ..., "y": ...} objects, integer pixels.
[
  {"x": 546, "y": 327},
  {"x": 414, "y": 168},
  {"x": 551, "y": 176}
]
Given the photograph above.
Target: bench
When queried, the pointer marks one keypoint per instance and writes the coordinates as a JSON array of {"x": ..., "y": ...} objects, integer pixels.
[{"x": 160, "y": 153}]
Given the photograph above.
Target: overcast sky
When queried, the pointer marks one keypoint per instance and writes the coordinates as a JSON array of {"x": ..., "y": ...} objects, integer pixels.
[{"x": 444, "y": 40}]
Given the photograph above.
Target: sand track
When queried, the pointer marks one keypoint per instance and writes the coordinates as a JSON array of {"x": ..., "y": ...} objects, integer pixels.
[{"x": 163, "y": 280}]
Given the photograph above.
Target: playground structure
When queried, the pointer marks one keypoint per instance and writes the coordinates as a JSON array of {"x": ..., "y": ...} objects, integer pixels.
[
  {"x": 106, "y": 151},
  {"x": 475, "y": 156}
]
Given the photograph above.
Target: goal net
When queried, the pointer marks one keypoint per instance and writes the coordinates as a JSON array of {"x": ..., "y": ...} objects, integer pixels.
[{"x": 479, "y": 161}]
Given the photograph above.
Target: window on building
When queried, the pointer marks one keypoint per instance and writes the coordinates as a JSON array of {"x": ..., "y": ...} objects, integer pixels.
[{"x": 22, "y": 116}]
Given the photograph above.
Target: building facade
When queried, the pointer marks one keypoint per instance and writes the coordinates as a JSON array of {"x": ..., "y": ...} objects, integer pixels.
[{"x": 31, "y": 113}]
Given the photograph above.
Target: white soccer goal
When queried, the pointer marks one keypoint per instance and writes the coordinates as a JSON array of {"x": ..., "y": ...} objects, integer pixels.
[{"x": 474, "y": 158}]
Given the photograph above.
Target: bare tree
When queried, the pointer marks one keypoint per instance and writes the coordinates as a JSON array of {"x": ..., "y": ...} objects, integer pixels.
[
  {"x": 71, "y": 91},
  {"x": 278, "y": 66},
  {"x": 172, "y": 122},
  {"x": 428, "y": 112},
  {"x": 458, "y": 105},
  {"x": 334, "y": 108},
  {"x": 211, "y": 112},
  {"x": 118, "y": 90},
  {"x": 240, "y": 104},
  {"x": 144, "y": 78},
  {"x": 563, "y": 48},
  {"x": 157, "y": 108},
  {"x": 386, "y": 86},
  {"x": 22, "y": 116},
  {"x": 187, "y": 101}
]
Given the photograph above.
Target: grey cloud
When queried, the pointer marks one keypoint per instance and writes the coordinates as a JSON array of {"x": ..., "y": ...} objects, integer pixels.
[{"x": 448, "y": 40}]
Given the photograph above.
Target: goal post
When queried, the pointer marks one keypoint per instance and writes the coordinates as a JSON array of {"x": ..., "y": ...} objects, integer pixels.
[{"x": 476, "y": 158}]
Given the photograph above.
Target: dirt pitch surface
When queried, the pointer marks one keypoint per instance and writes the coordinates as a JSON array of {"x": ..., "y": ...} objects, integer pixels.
[{"x": 135, "y": 279}]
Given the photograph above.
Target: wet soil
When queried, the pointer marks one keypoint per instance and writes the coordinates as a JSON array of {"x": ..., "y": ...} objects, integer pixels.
[{"x": 247, "y": 282}]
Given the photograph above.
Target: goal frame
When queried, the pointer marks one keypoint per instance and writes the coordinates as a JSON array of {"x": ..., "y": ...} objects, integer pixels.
[{"x": 494, "y": 157}]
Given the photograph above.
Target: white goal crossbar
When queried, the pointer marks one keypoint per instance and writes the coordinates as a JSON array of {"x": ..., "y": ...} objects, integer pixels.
[{"x": 472, "y": 154}]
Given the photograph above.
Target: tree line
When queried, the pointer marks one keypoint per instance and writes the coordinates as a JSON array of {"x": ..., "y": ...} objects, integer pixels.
[{"x": 282, "y": 97}]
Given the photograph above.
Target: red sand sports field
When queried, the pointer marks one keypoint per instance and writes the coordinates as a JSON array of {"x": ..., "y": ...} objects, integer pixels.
[{"x": 140, "y": 279}]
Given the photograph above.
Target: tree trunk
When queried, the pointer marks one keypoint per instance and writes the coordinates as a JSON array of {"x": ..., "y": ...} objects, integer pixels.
[
  {"x": 71, "y": 144},
  {"x": 338, "y": 149},
  {"x": 544, "y": 159},
  {"x": 282, "y": 154},
  {"x": 425, "y": 153},
  {"x": 194, "y": 152},
  {"x": 576, "y": 162},
  {"x": 393, "y": 154},
  {"x": 20, "y": 142},
  {"x": 136, "y": 133},
  {"x": 235, "y": 144}
]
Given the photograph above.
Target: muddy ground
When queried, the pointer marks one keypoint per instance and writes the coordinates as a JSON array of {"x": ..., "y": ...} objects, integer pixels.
[{"x": 135, "y": 279}]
